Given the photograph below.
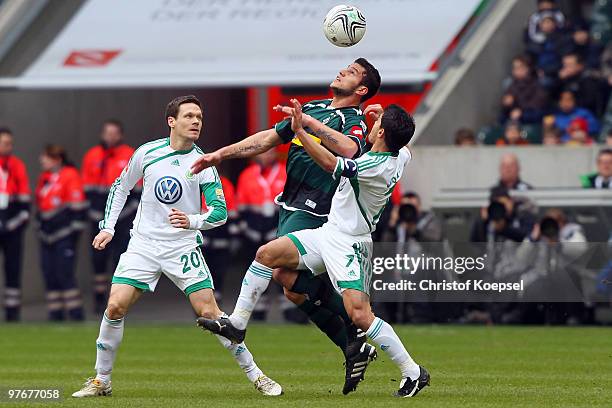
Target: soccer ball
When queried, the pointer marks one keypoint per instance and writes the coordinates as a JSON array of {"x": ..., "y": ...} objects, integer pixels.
[{"x": 344, "y": 25}]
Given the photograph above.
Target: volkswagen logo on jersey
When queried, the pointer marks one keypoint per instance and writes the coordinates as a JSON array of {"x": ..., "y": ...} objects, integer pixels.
[{"x": 168, "y": 190}]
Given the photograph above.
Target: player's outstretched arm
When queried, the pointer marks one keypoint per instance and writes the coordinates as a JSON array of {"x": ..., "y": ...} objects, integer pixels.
[
  {"x": 251, "y": 146},
  {"x": 335, "y": 141},
  {"x": 319, "y": 154}
]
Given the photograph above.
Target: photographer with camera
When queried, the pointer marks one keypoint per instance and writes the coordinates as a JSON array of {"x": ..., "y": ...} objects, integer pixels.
[{"x": 552, "y": 271}]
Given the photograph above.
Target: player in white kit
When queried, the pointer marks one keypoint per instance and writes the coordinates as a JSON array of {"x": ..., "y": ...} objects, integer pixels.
[
  {"x": 343, "y": 247},
  {"x": 165, "y": 238}
]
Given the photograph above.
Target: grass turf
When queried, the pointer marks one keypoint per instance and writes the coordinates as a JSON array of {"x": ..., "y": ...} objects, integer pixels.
[{"x": 170, "y": 365}]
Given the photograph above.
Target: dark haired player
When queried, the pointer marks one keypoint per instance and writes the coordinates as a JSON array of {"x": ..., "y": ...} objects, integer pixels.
[
  {"x": 165, "y": 238},
  {"x": 343, "y": 245},
  {"x": 306, "y": 200}
]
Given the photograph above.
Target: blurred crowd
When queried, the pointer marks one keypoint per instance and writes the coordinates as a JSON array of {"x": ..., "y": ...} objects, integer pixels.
[
  {"x": 520, "y": 242},
  {"x": 558, "y": 91}
]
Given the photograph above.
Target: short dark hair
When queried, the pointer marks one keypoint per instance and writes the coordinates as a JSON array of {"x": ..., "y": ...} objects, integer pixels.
[
  {"x": 57, "y": 152},
  {"x": 6, "y": 130},
  {"x": 398, "y": 126},
  {"x": 602, "y": 152},
  {"x": 579, "y": 58},
  {"x": 552, "y": 130},
  {"x": 411, "y": 194},
  {"x": 173, "y": 107},
  {"x": 371, "y": 79},
  {"x": 464, "y": 134},
  {"x": 568, "y": 91},
  {"x": 114, "y": 122}
]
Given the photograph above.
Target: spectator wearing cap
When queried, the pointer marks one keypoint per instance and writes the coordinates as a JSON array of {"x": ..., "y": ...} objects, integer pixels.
[
  {"x": 509, "y": 174},
  {"x": 512, "y": 135},
  {"x": 465, "y": 137},
  {"x": 590, "y": 92},
  {"x": 602, "y": 179},
  {"x": 578, "y": 131},
  {"x": 568, "y": 111},
  {"x": 524, "y": 99}
]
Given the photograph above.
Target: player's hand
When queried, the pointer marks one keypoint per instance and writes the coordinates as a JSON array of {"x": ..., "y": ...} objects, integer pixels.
[
  {"x": 205, "y": 161},
  {"x": 374, "y": 111},
  {"x": 296, "y": 116},
  {"x": 286, "y": 110},
  {"x": 178, "y": 219},
  {"x": 101, "y": 240}
]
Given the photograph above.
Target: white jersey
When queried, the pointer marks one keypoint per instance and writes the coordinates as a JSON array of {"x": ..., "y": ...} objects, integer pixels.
[
  {"x": 167, "y": 183},
  {"x": 364, "y": 191}
]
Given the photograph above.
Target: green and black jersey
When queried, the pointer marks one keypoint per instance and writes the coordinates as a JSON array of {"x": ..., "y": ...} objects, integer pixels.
[{"x": 308, "y": 187}]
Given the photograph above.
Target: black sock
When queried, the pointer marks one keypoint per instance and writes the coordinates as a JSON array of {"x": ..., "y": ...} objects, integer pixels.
[
  {"x": 330, "y": 324},
  {"x": 321, "y": 292}
]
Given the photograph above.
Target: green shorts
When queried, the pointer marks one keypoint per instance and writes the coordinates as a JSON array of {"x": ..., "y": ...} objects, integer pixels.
[{"x": 291, "y": 221}]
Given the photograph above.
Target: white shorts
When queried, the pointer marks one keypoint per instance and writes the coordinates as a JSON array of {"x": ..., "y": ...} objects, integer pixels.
[
  {"x": 346, "y": 258},
  {"x": 144, "y": 261}
]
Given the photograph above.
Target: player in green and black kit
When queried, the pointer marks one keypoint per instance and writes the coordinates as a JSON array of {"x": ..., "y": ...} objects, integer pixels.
[{"x": 306, "y": 198}]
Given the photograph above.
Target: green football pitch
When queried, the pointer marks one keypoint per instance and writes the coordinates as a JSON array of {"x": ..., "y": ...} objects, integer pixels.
[{"x": 180, "y": 366}]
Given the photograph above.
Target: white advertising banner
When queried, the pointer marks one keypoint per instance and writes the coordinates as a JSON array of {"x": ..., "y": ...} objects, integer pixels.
[{"x": 162, "y": 43}]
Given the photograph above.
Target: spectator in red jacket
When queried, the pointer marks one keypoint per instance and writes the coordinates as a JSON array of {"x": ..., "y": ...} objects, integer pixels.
[
  {"x": 14, "y": 215},
  {"x": 102, "y": 164},
  {"x": 61, "y": 211},
  {"x": 258, "y": 185}
]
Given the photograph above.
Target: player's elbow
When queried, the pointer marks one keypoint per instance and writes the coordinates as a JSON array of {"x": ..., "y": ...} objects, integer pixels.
[
  {"x": 329, "y": 165},
  {"x": 348, "y": 150},
  {"x": 219, "y": 217},
  {"x": 270, "y": 138}
]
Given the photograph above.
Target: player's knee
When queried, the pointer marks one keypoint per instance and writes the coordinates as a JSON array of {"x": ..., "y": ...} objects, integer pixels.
[
  {"x": 115, "y": 310},
  {"x": 265, "y": 256},
  {"x": 295, "y": 298}
]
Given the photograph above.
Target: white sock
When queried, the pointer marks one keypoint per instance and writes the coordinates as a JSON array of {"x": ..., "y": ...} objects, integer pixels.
[
  {"x": 109, "y": 339},
  {"x": 244, "y": 358},
  {"x": 381, "y": 333},
  {"x": 254, "y": 284}
]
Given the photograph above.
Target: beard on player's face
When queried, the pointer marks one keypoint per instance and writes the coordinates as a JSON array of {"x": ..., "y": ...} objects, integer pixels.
[{"x": 339, "y": 91}]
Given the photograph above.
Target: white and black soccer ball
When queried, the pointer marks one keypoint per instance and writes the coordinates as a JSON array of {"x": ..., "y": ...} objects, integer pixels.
[{"x": 344, "y": 25}]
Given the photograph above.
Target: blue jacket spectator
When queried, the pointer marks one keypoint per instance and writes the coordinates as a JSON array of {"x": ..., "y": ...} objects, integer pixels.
[{"x": 568, "y": 111}]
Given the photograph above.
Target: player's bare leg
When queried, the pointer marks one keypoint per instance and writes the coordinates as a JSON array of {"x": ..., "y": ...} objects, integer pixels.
[
  {"x": 414, "y": 377},
  {"x": 205, "y": 306},
  {"x": 121, "y": 298},
  {"x": 275, "y": 254}
]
